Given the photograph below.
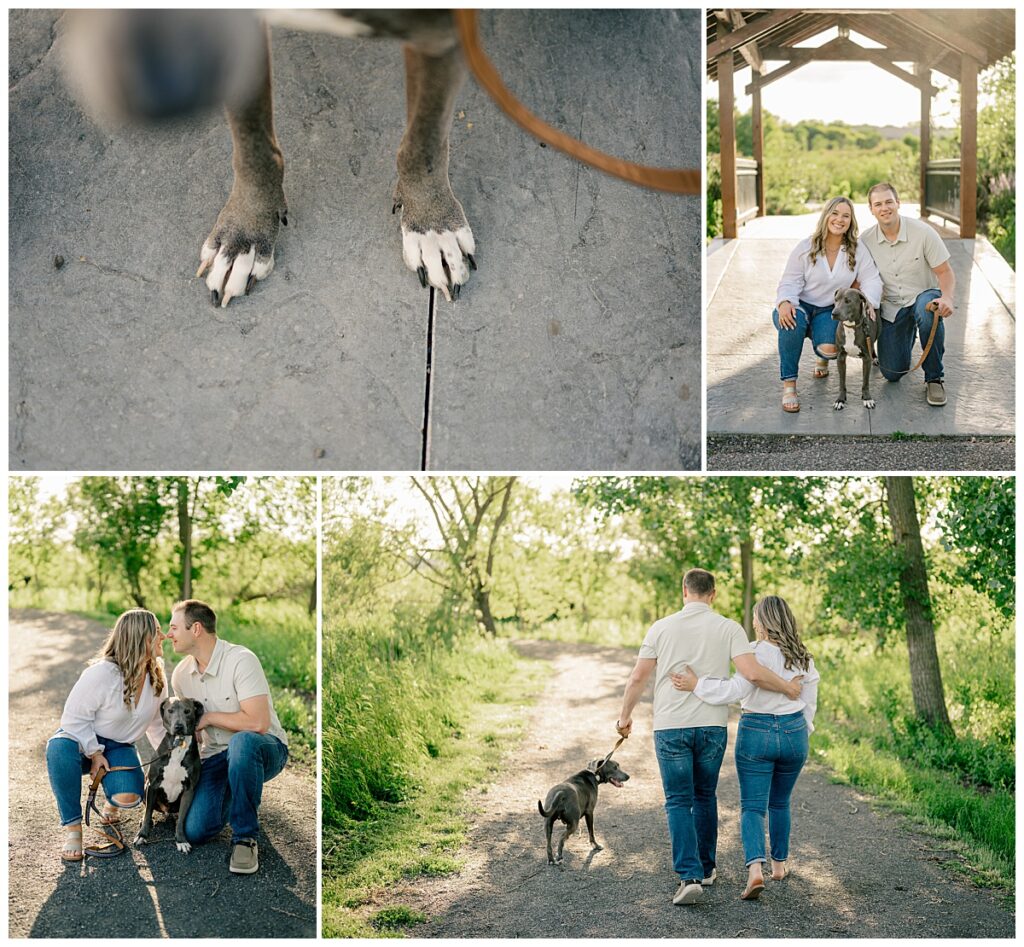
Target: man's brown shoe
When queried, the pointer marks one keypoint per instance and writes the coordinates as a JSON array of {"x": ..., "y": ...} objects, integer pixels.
[
  {"x": 936, "y": 394},
  {"x": 244, "y": 858}
]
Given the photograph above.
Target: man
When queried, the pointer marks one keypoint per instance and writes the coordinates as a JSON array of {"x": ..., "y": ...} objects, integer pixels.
[
  {"x": 243, "y": 743},
  {"x": 689, "y": 735},
  {"x": 914, "y": 264}
]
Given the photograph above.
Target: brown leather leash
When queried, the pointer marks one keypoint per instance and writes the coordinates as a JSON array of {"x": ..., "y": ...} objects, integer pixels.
[
  {"x": 673, "y": 180},
  {"x": 614, "y": 748},
  {"x": 932, "y": 307}
]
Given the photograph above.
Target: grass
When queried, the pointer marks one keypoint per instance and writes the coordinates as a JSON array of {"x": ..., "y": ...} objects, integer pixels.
[
  {"x": 959, "y": 787},
  {"x": 483, "y": 715}
]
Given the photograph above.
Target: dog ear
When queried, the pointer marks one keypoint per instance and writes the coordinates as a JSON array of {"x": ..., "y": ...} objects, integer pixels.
[
  {"x": 839, "y": 292},
  {"x": 163, "y": 706},
  {"x": 199, "y": 708},
  {"x": 595, "y": 765}
]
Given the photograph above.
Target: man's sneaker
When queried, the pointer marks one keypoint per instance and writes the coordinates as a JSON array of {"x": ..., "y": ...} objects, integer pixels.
[
  {"x": 690, "y": 892},
  {"x": 936, "y": 394},
  {"x": 710, "y": 880},
  {"x": 244, "y": 857}
]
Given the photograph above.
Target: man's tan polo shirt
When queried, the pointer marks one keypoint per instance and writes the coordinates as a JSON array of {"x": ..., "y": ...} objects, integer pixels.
[
  {"x": 905, "y": 263},
  {"x": 234, "y": 674},
  {"x": 707, "y": 642}
]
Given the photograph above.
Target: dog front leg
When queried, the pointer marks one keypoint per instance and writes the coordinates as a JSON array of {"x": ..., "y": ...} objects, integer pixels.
[
  {"x": 547, "y": 829},
  {"x": 182, "y": 843},
  {"x": 841, "y": 363},
  {"x": 589, "y": 816},
  {"x": 437, "y": 243},
  {"x": 865, "y": 382},
  {"x": 147, "y": 820},
  {"x": 240, "y": 248}
]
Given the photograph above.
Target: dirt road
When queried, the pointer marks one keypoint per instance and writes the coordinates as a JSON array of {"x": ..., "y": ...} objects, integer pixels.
[
  {"x": 153, "y": 891},
  {"x": 856, "y": 872}
]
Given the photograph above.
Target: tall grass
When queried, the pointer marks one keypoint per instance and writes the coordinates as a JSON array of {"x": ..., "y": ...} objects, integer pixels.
[{"x": 964, "y": 783}]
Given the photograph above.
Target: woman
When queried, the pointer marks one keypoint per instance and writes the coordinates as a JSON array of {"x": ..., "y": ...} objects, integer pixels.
[
  {"x": 113, "y": 703},
  {"x": 819, "y": 265},
  {"x": 771, "y": 747}
]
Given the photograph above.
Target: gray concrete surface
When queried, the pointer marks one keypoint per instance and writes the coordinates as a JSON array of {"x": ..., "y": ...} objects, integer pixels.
[
  {"x": 575, "y": 346},
  {"x": 744, "y": 391}
]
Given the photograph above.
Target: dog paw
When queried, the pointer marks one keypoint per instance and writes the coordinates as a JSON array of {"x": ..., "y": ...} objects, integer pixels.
[
  {"x": 140, "y": 839},
  {"x": 437, "y": 242},
  {"x": 183, "y": 847},
  {"x": 839, "y": 405},
  {"x": 240, "y": 248},
  {"x": 596, "y": 848},
  {"x": 869, "y": 402}
]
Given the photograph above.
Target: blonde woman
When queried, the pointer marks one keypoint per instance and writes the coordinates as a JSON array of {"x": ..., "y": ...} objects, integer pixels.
[
  {"x": 113, "y": 703},
  {"x": 771, "y": 747},
  {"x": 819, "y": 265}
]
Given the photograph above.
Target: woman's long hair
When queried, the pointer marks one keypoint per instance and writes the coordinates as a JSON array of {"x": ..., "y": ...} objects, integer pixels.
[
  {"x": 130, "y": 647},
  {"x": 776, "y": 619},
  {"x": 821, "y": 231}
]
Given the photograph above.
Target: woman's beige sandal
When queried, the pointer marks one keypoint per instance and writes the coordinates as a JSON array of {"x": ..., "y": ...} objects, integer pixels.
[
  {"x": 790, "y": 400},
  {"x": 821, "y": 368},
  {"x": 111, "y": 814},
  {"x": 72, "y": 850}
]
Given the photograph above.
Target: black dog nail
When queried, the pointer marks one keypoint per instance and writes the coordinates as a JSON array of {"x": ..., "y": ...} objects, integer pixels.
[
  {"x": 251, "y": 283},
  {"x": 394, "y": 207},
  {"x": 455, "y": 291},
  {"x": 422, "y": 274},
  {"x": 472, "y": 262},
  {"x": 284, "y": 219},
  {"x": 215, "y": 297}
]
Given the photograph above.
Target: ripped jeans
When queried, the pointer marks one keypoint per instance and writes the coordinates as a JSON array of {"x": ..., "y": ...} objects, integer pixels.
[
  {"x": 66, "y": 765},
  {"x": 813, "y": 321}
]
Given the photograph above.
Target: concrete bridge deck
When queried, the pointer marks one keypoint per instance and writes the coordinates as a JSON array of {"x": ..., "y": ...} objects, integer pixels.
[{"x": 744, "y": 391}]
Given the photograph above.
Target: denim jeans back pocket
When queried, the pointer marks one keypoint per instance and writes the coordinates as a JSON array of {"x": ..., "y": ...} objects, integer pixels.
[{"x": 713, "y": 743}]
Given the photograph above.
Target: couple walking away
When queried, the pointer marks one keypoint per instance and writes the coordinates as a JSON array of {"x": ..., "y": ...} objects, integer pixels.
[
  {"x": 118, "y": 698},
  {"x": 777, "y": 686},
  {"x": 900, "y": 265}
]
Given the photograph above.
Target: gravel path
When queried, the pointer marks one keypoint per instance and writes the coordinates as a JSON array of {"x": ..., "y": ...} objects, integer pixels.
[
  {"x": 804, "y": 452},
  {"x": 857, "y": 873},
  {"x": 154, "y": 891}
]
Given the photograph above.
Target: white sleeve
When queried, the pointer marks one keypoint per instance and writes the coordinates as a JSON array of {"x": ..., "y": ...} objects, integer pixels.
[
  {"x": 155, "y": 731},
  {"x": 792, "y": 283},
  {"x": 91, "y": 691},
  {"x": 809, "y": 695},
  {"x": 869, "y": 277},
  {"x": 714, "y": 690}
]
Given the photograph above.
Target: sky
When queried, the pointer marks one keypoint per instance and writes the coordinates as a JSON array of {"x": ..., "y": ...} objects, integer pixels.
[{"x": 856, "y": 93}]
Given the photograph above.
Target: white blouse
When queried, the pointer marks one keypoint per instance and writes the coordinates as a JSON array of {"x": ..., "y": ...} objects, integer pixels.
[
  {"x": 95, "y": 707},
  {"x": 713, "y": 690},
  {"x": 816, "y": 283}
]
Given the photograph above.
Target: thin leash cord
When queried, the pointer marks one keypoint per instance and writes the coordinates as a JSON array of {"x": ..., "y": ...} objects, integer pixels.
[
  {"x": 933, "y": 308},
  {"x": 673, "y": 180}
]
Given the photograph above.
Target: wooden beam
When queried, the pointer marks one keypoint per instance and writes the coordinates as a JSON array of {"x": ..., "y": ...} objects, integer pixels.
[
  {"x": 769, "y": 77},
  {"x": 727, "y": 136},
  {"x": 925, "y": 134},
  {"x": 852, "y": 52},
  {"x": 757, "y": 130},
  {"x": 940, "y": 57},
  {"x": 728, "y": 41},
  {"x": 929, "y": 22},
  {"x": 969, "y": 148}
]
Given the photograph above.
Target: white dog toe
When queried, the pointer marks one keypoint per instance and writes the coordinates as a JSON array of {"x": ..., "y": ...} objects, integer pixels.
[
  {"x": 839, "y": 405},
  {"x": 442, "y": 258},
  {"x": 184, "y": 847},
  {"x": 232, "y": 276},
  {"x": 869, "y": 403},
  {"x": 140, "y": 840}
]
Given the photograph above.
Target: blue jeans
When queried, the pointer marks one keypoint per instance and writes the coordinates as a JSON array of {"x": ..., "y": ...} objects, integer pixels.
[
  {"x": 770, "y": 752},
  {"x": 689, "y": 759},
  {"x": 231, "y": 786},
  {"x": 66, "y": 765},
  {"x": 896, "y": 340},
  {"x": 813, "y": 321}
]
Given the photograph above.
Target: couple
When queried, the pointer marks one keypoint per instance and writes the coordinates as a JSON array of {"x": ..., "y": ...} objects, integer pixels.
[
  {"x": 777, "y": 685},
  {"x": 897, "y": 266},
  {"x": 118, "y": 698}
]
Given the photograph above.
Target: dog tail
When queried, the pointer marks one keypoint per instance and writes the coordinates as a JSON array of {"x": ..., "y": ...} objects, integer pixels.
[{"x": 540, "y": 809}]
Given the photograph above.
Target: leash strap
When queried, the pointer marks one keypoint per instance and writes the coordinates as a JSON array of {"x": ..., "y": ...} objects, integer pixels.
[
  {"x": 614, "y": 748},
  {"x": 932, "y": 307},
  {"x": 673, "y": 180}
]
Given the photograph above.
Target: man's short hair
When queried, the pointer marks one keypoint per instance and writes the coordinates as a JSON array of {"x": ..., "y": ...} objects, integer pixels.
[
  {"x": 196, "y": 611},
  {"x": 882, "y": 186},
  {"x": 699, "y": 582}
]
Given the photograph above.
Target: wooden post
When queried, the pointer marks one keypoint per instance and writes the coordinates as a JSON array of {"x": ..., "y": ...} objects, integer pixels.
[
  {"x": 727, "y": 134},
  {"x": 926, "y": 131},
  {"x": 757, "y": 128},
  {"x": 968, "y": 147}
]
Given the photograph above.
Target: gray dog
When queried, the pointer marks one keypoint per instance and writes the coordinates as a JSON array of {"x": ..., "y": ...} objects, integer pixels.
[
  {"x": 577, "y": 797},
  {"x": 154, "y": 64},
  {"x": 174, "y": 773},
  {"x": 857, "y": 335}
]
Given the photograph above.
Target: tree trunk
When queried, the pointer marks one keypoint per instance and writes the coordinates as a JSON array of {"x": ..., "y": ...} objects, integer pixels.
[
  {"x": 135, "y": 586},
  {"x": 747, "y": 572},
  {"x": 311, "y": 608},
  {"x": 185, "y": 538},
  {"x": 482, "y": 601},
  {"x": 925, "y": 674}
]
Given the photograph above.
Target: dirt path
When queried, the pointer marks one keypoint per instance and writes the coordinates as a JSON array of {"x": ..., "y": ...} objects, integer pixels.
[
  {"x": 857, "y": 873},
  {"x": 154, "y": 891}
]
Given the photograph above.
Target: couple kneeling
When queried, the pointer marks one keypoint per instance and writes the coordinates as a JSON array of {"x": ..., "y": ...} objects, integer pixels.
[
  {"x": 777, "y": 685},
  {"x": 118, "y": 698}
]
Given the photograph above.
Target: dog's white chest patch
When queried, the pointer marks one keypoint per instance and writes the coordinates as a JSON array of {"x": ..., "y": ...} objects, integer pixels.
[
  {"x": 848, "y": 341},
  {"x": 174, "y": 771}
]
